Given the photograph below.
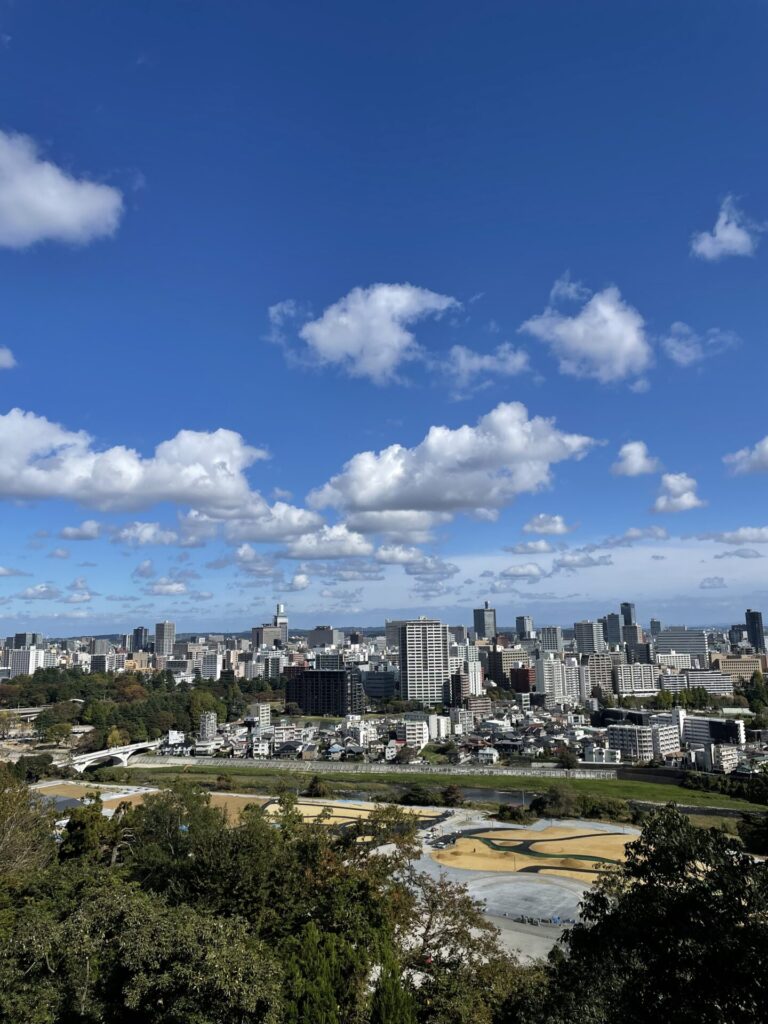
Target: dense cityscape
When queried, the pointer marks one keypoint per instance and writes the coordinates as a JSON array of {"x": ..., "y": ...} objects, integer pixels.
[
  {"x": 383, "y": 478},
  {"x": 604, "y": 692}
]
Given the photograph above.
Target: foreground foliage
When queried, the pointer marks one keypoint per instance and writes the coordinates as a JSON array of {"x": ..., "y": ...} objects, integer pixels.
[{"x": 166, "y": 913}]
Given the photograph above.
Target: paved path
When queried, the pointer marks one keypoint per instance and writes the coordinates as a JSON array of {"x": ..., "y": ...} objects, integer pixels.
[{"x": 507, "y": 895}]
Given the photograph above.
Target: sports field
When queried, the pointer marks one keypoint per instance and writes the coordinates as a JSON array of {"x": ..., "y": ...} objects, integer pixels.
[{"x": 580, "y": 853}]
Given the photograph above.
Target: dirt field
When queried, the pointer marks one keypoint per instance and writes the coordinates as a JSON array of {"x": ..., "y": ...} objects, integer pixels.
[
  {"x": 571, "y": 853},
  {"x": 75, "y": 790},
  {"x": 342, "y": 813},
  {"x": 233, "y": 804}
]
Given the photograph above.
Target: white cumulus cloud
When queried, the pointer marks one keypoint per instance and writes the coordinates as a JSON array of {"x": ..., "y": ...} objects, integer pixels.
[
  {"x": 732, "y": 235},
  {"x": 467, "y": 469},
  {"x": 366, "y": 332},
  {"x": 7, "y": 360},
  {"x": 329, "y": 542},
  {"x": 605, "y": 340},
  {"x": 167, "y": 587},
  {"x": 551, "y": 525},
  {"x": 142, "y": 534},
  {"x": 89, "y": 529},
  {"x": 569, "y": 561},
  {"x": 41, "y": 459},
  {"x": 39, "y": 201},
  {"x": 634, "y": 460},
  {"x": 531, "y": 547},
  {"x": 529, "y": 571},
  {"x": 677, "y": 494},
  {"x": 749, "y": 460}
]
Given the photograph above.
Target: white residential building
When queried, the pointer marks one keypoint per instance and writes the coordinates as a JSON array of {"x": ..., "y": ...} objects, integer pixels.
[
  {"x": 643, "y": 742},
  {"x": 415, "y": 734},
  {"x": 210, "y": 666},
  {"x": 25, "y": 661},
  {"x": 208, "y": 725},
  {"x": 424, "y": 667},
  {"x": 676, "y": 661},
  {"x": 635, "y": 680}
]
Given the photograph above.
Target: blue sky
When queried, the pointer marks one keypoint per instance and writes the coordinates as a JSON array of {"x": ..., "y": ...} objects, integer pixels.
[{"x": 489, "y": 246}]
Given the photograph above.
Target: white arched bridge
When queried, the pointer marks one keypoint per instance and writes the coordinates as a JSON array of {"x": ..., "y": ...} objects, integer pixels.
[{"x": 113, "y": 755}]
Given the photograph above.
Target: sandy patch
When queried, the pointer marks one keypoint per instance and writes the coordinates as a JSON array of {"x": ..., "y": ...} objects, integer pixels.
[
  {"x": 74, "y": 790},
  {"x": 609, "y": 846},
  {"x": 233, "y": 805},
  {"x": 472, "y": 854}
]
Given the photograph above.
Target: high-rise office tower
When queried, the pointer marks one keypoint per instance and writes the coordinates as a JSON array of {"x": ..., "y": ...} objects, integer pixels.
[
  {"x": 628, "y": 613},
  {"x": 632, "y": 634},
  {"x": 612, "y": 629},
  {"x": 655, "y": 627},
  {"x": 140, "y": 638},
  {"x": 165, "y": 638},
  {"x": 485, "y": 622},
  {"x": 755, "y": 631},
  {"x": 590, "y": 638},
  {"x": 523, "y": 625},
  {"x": 424, "y": 660},
  {"x": 280, "y": 620}
]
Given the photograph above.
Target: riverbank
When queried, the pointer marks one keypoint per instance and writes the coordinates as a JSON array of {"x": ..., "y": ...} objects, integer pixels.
[{"x": 490, "y": 788}]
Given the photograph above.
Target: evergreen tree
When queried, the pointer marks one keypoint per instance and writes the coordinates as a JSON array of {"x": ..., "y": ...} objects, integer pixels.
[{"x": 392, "y": 1001}]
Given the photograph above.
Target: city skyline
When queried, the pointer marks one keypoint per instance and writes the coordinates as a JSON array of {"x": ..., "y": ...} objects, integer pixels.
[{"x": 281, "y": 326}]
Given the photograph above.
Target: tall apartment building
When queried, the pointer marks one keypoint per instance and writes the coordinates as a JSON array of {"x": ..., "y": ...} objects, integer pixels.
[
  {"x": 755, "y": 631},
  {"x": 635, "y": 680},
  {"x": 589, "y": 636},
  {"x": 208, "y": 725},
  {"x": 600, "y": 670},
  {"x": 25, "y": 661},
  {"x": 424, "y": 660},
  {"x": 551, "y": 678},
  {"x": 550, "y": 638},
  {"x": 484, "y": 622},
  {"x": 165, "y": 638},
  {"x": 210, "y": 666},
  {"x": 337, "y": 692}
]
